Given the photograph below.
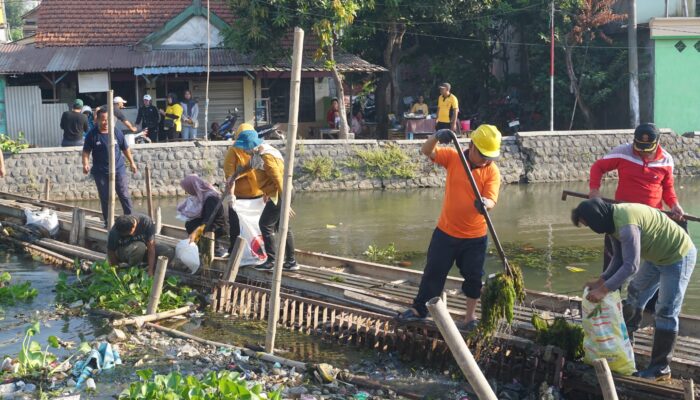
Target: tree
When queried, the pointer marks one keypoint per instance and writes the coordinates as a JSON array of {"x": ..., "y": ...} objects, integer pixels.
[
  {"x": 261, "y": 25},
  {"x": 584, "y": 20},
  {"x": 14, "y": 10}
]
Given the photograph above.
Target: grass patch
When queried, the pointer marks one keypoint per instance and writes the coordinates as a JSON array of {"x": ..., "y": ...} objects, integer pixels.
[
  {"x": 321, "y": 167},
  {"x": 386, "y": 162}
]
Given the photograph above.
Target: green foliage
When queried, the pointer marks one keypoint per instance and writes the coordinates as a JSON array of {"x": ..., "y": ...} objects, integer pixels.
[
  {"x": 560, "y": 333},
  {"x": 214, "y": 386},
  {"x": 525, "y": 255},
  {"x": 15, "y": 10},
  {"x": 336, "y": 278},
  {"x": 125, "y": 290},
  {"x": 321, "y": 168},
  {"x": 11, "y": 294},
  {"x": 381, "y": 255},
  {"x": 389, "y": 161},
  {"x": 9, "y": 145},
  {"x": 498, "y": 298}
]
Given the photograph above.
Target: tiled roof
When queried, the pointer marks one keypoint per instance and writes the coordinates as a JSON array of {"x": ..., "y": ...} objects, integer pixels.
[{"x": 109, "y": 23}]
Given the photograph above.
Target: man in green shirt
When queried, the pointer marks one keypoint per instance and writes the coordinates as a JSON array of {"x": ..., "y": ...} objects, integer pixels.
[{"x": 639, "y": 231}]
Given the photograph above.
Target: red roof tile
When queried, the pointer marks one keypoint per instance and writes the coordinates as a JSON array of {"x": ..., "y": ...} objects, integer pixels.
[{"x": 117, "y": 22}]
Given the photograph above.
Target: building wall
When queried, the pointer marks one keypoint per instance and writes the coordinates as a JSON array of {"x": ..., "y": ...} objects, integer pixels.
[
  {"x": 677, "y": 83},
  {"x": 529, "y": 157}
]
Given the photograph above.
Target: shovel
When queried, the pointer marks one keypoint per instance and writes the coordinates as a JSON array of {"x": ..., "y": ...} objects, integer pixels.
[{"x": 475, "y": 189}]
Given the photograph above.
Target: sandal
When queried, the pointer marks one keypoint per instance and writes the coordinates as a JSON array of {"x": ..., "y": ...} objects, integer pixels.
[
  {"x": 467, "y": 326},
  {"x": 409, "y": 315}
]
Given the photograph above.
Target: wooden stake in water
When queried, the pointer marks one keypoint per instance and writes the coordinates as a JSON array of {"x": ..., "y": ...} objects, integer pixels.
[
  {"x": 295, "y": 84},
  {"x": 47, "y": 189},
  {"x": 157, "y": 289},
  {"x": 149, "y": 191},
  {"x": 234, "y": 261},
  {"x": 605, "y": 379},
  {"x": 112, "y": 160}
]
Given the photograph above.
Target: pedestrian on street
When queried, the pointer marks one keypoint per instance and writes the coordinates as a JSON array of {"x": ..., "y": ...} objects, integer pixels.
[
  {"x": 74, "y": 125},
  {"x": 263, "y": 180},
  {"x": 132, "y": 240},
  {"x": 172, "y": 119},
  {"x": 149, "y": 118},
  {"x": 97, "y": 144},
  {"x": 640, "y": 232},
  {"x": 119, "y": 104},
  {"x": 190, "y": 114},
  {"x": 461, "y": 233},
  {"x": 448, "y": 109}
]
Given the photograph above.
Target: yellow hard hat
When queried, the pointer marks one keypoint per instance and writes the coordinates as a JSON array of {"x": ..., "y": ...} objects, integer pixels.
[
  {"x": 487, "y": 140},
  {"x": 244, "y": 127}
]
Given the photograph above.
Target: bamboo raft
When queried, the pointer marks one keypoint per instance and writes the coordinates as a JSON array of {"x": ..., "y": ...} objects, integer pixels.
[{"x": 353, "y": 302}]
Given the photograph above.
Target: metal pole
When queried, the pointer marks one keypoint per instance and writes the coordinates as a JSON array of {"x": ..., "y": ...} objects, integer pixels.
[
  {"x": 666, "y": 13},
  {"x": 551, "y": 70},
  {"x": 459, "y": 349},
  {"x": 110, "y": 152},
  {"x": 286, "y": 191},
  {"x": 633, "y": 67},
  {"x": 206, "y": 90}
]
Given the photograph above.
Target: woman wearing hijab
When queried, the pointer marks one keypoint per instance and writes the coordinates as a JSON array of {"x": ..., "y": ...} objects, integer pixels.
[
  {"x": 642, "y": 232},
  {"x": 202, "y": 202}
]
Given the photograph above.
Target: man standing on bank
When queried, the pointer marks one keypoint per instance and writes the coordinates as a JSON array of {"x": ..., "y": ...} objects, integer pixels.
[
  {"x": 97, "y": 144},
  {"x": 149, "y": 118},
  {"x": 448, "y": 108},
  {"x": 642, "y": 232},
  {"x": 461, "y": 233},
  {"x": 119, "y": 104},
  {"x": 74, "y": 125}
]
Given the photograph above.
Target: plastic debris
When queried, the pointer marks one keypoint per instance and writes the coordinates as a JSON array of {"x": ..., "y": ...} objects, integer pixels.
[
  {"x": 277, "y": 365},
  {"x": 104, "y": 357},
  {"x": 90, "y": 384},
  {"x": 330, "y": 226},
  {"x": 361, "y": 396},
  {"x": 575, "y": 269}
]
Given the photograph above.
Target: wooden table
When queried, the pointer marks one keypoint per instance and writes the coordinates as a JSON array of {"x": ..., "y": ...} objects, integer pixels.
[{"x": 419, "y": 126}]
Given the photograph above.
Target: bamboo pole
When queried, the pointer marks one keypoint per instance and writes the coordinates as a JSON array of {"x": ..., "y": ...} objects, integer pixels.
[
  {"x": 73, "y": 236},
  {"x": 459, "y": 349},
  {"x": 47, "y": 189},
  {"x": 158, "y": 221},
  {"x": 688, "y": 390},
  {"x": 234, "y": 260},
  {"x": 149, "y": 191},
  {"x": 142, "y": 319},
  {"x": 295, "y": 84},
  {"x": 112, "y": 160},
  {"x": 605, "y": 379},
  {"x": 157, "y": 289}
]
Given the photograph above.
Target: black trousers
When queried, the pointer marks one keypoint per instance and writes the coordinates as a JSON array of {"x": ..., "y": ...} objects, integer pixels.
[
  {"x": 269, "y": 225},
  {"x": 443, "y": 253},
  {"x": 121, "y": 185}
]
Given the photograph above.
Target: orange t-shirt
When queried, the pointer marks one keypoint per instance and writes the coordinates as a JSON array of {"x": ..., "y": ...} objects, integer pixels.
[{"x": 459, "y": 217}]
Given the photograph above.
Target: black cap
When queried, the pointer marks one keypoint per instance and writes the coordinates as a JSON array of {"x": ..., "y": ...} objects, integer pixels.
[{"x": 646, "y": 137}]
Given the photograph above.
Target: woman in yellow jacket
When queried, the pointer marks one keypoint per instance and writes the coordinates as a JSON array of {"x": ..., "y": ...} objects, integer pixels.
[
  {"x": 172, "y": 119},
  {"x": 264, "y": 179}
]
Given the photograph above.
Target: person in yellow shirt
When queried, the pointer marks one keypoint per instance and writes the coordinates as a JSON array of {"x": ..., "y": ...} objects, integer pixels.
[
  {"x": 172, "y": 118},
  {"x": 419, "y": 107},
  {"x": 448, "y": 108},
  {"x": 264, "y": 179},
  {"x": 460, "y": 236}
]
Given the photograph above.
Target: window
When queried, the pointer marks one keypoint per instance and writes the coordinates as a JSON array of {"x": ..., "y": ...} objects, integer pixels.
[{"x": 277, "y": 90}]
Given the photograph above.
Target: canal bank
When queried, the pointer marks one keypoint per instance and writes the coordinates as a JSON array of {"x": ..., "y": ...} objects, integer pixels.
[{"x": 336, "y": 165}]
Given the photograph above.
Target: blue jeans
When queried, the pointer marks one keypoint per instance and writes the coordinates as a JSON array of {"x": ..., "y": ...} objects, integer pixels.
[
  {"x": 671, "y": 281},
  {"x": 444, "y": 251},
  {"x": 189, "y": 132},
  {"x": 71, "y": 143}
]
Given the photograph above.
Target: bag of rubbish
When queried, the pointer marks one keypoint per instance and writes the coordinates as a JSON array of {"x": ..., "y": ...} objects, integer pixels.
[
  {"x": 188, "y": 254},
  {"x": 605, "y": 333},
  {"x": 45, "y": 218},
  {"x": 248, "y": 211},
  {"x": 103, "y": 357}
]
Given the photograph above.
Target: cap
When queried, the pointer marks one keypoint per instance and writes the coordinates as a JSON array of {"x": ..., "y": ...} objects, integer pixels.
[
  {"x": 487, "y": 139},
  {"x": 86, "y": 109},
  {"x": 147, "y": 97},
  {"x": 77, "y": 103},
  {"x": 445, "y": 85},
  {"x": 646, "y": 138},
  {"x": 118, "y": 99}
]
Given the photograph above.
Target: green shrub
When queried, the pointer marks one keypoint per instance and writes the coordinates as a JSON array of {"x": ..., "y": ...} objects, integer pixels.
[
  {"x": 387, "y": 162},
  {"x": 9, "y": 145},
  {"x": 321, "y": 168},
  {"x": 381, "y": 255}
]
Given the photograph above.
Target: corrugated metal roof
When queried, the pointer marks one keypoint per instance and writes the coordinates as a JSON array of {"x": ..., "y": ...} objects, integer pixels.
[{"x": 16, "y": 58}]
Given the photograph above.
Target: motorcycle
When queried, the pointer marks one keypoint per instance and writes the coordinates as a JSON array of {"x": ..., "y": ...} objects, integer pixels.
[{"x": 226, "y": 130}]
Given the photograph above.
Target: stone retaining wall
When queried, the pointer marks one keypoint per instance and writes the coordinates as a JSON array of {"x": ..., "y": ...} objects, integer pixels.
[{"x": 529, "y": 157}]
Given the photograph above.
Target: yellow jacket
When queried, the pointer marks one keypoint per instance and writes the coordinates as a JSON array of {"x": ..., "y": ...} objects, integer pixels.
[
  {"x": 175, "y": 109},
  {"x": 256, "y": 182}
]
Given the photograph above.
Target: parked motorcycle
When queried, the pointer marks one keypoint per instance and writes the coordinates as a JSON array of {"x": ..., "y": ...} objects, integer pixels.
[{"x": 226, "y": 130}]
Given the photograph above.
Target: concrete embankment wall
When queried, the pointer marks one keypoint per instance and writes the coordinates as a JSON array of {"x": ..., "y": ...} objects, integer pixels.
[{"x": 324, "y": 165}]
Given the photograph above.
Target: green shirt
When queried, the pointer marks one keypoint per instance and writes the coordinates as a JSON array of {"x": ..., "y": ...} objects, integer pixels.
[{"x": 663, "y": 241}]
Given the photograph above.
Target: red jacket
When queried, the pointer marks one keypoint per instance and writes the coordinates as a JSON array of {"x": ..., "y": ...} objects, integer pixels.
[{"x": 639, "y": 181}]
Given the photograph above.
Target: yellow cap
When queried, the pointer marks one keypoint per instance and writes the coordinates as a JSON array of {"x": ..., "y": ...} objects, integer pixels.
[
  {"x": 487, "y": 140},
  {"x": 244, "y": 127}
]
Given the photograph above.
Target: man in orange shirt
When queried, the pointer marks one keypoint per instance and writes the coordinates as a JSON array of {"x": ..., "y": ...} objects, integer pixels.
[{"x": 461, "y": 233}]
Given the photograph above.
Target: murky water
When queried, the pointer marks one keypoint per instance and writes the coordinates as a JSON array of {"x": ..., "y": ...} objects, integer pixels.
[{"x": 531, "y": 220}]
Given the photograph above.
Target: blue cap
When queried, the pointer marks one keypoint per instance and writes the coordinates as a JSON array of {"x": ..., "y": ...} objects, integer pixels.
[{"x": 248, "y": 140}]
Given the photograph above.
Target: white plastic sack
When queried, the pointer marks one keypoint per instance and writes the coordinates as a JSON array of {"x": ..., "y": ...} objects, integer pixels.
[
  {"x": 606, "y": 333},
  {"x": 188, "y": 254},
  {"x": 45, "y": 218},
  {"x": 249, "y": 211}
]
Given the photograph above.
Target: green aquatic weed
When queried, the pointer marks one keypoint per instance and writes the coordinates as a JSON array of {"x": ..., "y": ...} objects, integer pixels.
[{"x": 11, "y": 294}]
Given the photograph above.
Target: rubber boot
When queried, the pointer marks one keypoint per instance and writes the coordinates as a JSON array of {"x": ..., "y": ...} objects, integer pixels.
[
  {"x": 633, "y": 317},
  {"x": 661, "y": 352},
  {"x": 270, "y": 248}
]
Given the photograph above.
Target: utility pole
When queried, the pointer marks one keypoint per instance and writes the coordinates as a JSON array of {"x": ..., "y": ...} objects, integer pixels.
[
  {"x": 633, "y": 67},
  {"x": 551, "y": 70}
]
